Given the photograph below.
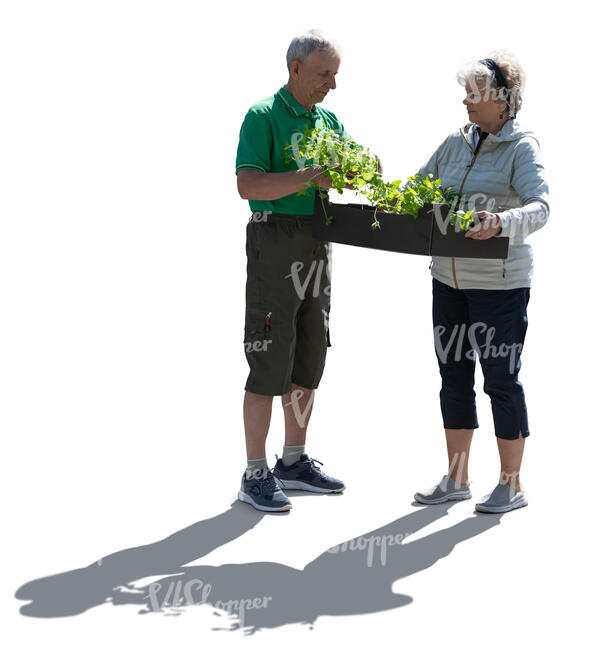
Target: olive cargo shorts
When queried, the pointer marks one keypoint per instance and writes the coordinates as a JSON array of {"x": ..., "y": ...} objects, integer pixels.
[{"x": 286, "y": 330}]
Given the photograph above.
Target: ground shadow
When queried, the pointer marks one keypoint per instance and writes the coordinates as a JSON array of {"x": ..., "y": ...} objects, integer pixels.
[{"x": 344, "y": 580}]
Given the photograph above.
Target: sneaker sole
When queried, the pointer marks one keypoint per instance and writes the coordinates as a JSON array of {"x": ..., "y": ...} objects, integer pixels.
[
  {"x": 456, "y": 496},
  {"x": 242, "y": 496},
  {"x": 520, "y": 503},
  {"x": 300, "y": 485}
]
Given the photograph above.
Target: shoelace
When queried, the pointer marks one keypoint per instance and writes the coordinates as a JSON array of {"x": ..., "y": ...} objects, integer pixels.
[
  {"x": 269, "y": 484},
  {"x": 311, "y": 462}
]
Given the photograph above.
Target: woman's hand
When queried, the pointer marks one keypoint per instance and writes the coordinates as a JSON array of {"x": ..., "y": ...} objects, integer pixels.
[{"x": 484, "y": 226}]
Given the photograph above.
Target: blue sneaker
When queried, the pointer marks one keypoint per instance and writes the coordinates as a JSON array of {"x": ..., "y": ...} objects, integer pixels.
[
  {"x": 263, "y": 493},
  {"x": 305, "y": 475}
]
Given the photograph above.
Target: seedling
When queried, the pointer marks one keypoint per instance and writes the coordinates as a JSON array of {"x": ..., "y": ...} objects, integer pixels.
[{"x": 347, "y": 163}]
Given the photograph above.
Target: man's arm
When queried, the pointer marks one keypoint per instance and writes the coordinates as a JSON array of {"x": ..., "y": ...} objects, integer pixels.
[
  {"x": 253, "y": 161},
  {"x": 257, "y": 185}
]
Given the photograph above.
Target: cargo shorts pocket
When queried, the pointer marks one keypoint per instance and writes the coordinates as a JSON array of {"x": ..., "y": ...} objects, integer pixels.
[{"x": 257, "y": 327}]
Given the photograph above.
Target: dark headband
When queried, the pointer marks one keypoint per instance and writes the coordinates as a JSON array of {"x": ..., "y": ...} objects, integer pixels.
[
  {"x": 499, "y": 80},
  {"x": 499, "y": 77}
]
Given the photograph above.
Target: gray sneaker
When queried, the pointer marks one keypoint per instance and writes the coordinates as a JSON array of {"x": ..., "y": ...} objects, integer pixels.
[
  {"x": 447, "y": 490},
  {"x": 502, "y": 499}
]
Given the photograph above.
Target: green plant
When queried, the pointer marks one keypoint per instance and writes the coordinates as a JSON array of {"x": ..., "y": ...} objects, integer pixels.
[{"x": 347, "y": 163}]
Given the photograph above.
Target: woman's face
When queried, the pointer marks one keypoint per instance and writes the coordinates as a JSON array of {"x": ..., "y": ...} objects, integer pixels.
[{"x": 482, "y": 107}]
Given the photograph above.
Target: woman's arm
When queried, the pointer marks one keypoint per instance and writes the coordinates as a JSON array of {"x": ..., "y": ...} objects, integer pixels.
[
  {"x": 529, "y": 181},
  {"x": 431, "y": 166}
]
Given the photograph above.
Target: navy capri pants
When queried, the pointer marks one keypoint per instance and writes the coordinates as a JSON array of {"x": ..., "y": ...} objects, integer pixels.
[{"x": 490, "y": 324}]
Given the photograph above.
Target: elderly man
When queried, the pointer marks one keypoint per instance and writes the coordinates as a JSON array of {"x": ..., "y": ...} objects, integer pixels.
[{"x": 287, "y": 290}]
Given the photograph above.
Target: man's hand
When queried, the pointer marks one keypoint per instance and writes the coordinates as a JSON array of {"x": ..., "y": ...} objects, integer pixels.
[
  {"x": 316, "y": 175},
  {"x": 484, "y": 226},
  {"x": 350, "y": 176}
]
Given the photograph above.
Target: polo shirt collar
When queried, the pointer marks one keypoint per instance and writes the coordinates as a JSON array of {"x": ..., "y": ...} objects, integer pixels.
[{"x": 292, "y": 105}]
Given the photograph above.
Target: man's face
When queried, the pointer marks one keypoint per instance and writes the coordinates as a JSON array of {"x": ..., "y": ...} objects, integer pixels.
[{"x": 316, "y": 76}]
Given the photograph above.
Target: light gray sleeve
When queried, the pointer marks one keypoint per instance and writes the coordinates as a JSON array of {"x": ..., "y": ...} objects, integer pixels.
[
  {"x": 529, "y": 181},
  {"x": 431, "y": 166}
]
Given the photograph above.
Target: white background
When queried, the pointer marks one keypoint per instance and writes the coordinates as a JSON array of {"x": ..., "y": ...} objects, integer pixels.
[{"x": 122, "y": 273}]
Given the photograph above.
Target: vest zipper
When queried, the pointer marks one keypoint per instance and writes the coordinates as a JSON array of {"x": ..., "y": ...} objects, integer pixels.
[
  {"x": 454, "y": 274},
  {"x": 469, "y": 168}
]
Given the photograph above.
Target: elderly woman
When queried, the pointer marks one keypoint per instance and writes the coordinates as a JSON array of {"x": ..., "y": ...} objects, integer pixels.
[{"x": 479, "y": 305}]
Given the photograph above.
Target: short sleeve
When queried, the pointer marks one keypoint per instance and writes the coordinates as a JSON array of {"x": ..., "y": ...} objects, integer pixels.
[{"x": 254, "y": 145}]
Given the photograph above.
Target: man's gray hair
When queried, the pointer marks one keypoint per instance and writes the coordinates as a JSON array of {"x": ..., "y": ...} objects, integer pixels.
[{"x": 303, "y": 44}]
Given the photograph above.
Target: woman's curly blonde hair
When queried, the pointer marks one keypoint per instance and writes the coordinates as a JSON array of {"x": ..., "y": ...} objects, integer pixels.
[{"x": 513, "y": 72}]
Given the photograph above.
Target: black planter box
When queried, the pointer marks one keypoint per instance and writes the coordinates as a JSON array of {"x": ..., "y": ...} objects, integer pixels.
[{"x": 429, "y": 234}]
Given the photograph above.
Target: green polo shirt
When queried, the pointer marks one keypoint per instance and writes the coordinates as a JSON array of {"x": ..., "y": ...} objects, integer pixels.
[{"x": 268, "y": 126}]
